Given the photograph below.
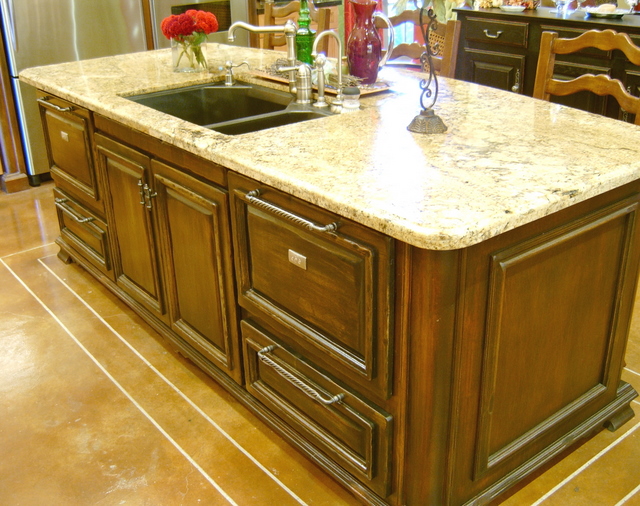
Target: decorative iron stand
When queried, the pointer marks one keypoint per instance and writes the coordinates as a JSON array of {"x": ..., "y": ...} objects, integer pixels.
[{"x": 427, "y": 122}]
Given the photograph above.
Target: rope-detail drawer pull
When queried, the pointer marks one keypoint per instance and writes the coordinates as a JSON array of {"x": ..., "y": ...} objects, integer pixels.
[
  {"x": 262, "y": 355},
  {"x": 253, "y": 195}
]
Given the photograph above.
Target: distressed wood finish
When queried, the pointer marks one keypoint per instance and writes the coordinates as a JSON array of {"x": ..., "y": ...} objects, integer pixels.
[
  {"x": 68, "y": 137},
  {"x": 337, "y": 308},
  {"x": 131, "y": 217},
  {"x": 193, "y": 225},
  {"x": 458, "y": 373}
]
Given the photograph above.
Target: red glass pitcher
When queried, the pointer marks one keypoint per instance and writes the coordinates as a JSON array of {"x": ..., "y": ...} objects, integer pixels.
[{"x": 364, "y": 47}]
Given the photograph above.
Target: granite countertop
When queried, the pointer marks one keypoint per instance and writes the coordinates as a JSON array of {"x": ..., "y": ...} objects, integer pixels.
[{"x": 505, "y": 160}]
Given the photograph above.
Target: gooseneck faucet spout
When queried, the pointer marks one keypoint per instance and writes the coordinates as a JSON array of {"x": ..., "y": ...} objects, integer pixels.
[
  {"x": 289, "y": 29},
  {"x": 337, "y": 102}
]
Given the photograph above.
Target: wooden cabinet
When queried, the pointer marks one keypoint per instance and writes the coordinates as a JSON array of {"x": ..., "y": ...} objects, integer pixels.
[
  {"x": 323, "y": 281},
  {"x": 193, "y": 224},
  {"x": 344, "y": 427},
  {"x": 170, "y": 232},
  {"x": 500, "y": 50},
  {"x": 79, "y": 196},
  {"x": 411, "y": 376},
  {"x": 131, "y": 215},
  {"x": 68, "y": 132}
]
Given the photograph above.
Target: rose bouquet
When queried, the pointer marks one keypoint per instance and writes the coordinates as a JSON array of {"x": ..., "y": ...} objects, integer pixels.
[{"x": 187, "y": 32}]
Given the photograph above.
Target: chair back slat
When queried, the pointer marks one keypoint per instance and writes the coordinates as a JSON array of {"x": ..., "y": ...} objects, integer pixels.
[
  {"x": 277, "y": 14},
  {"x": 607, "y": 40}
]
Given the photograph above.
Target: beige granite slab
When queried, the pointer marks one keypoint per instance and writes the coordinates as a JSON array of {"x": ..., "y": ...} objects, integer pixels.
[{"x": 505, "y": 160}]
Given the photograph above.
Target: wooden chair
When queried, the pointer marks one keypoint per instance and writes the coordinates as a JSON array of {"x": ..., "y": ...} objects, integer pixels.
[
  {"x": 551, "y": 45},
  {"x": 444, "y": 42},
  {"x": 277, "y": 15}
]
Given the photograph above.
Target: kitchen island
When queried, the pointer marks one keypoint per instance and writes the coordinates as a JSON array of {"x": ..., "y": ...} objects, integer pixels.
[{"x": 464, "y": 324}]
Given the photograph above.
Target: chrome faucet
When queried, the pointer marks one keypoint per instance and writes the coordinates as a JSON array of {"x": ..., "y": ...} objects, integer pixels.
[
  {"x": 289, "y": 29},
  {"x": 336, "y": 104}
]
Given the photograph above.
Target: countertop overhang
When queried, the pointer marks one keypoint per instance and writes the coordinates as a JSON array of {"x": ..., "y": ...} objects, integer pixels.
[{"x": 505, "y": 160}]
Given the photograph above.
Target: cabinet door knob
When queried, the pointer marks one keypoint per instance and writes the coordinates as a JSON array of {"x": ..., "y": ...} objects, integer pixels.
[{"x": 492, "y": 35}]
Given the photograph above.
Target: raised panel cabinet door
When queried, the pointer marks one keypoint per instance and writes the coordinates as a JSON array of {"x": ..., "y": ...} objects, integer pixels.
[
  {"x": 131, "y": 222},
  {"x": 193, "y": 223},
  {"x": 542, "y": 368},
  {"x": 497, "y": 70}
]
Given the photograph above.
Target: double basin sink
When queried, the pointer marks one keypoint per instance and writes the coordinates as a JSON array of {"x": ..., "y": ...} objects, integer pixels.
[{"x": 231, "y": 110}]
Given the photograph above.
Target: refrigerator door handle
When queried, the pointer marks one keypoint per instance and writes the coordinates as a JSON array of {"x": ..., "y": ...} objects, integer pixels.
[{"x": 10, "y": 24}]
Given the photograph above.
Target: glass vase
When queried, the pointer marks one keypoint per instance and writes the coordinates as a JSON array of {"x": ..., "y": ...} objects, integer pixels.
[
  {"x": 189, "y": 54},
  {"x": 364, "y": 47}
]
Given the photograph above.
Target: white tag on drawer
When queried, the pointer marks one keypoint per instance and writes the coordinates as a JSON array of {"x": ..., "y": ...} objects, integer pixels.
[
  {"x": 64, "y": 135},
  {"x": 297, "y": 259}
]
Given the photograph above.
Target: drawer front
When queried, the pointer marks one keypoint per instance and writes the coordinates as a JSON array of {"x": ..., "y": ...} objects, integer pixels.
[
  {"x": 329, "y": 292},
  {"x": 84, "y": 232},
  {"x": 339, "y": 425},
  {"x": 68, "y": 131},
  {"x": 505, "y": 33}
]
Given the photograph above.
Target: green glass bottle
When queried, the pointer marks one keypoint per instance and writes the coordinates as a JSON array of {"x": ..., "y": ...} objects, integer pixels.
[{"x": 304, "y": 35}]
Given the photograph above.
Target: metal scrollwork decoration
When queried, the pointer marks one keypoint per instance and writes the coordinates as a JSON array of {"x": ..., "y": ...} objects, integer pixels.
[{"x": 427, "y": 122}]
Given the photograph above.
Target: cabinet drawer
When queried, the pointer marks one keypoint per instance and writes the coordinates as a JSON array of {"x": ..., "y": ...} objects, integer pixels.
[
  {"x": 328, "y": 292},
  {"x": 340, "y": 426},
  {"x": 83, "y": 231},
  {"x": 67, "y": 131},
  {"x": 506, "y": 33}
]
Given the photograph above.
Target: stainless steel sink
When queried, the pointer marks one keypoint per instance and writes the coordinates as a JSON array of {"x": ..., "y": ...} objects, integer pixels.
[
  {"x": 232, "y": 110},
  {"x": 264, "y": 121}
]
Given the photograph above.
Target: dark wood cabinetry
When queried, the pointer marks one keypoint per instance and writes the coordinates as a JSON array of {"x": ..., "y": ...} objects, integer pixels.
[
  {"x": 131, "y": 214},
  {"x": 500, "y": 50},
  {"x": 411, "y": 376},
  {"x": 79, "y": 194},
  {"x": 193, "y": 224},
  {"x": 333, "y": 296}
]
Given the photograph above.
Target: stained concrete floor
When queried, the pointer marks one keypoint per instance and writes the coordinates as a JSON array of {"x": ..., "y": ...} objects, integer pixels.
[{"x": 96, "y": 409}]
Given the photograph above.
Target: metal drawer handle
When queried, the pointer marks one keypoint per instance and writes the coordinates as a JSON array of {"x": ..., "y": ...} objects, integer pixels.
[
  {"x": 262, "y": 355},
  {"x": 60, "y": 204},
  {"x": 253, "y": 195},
  {"x": 45, "y": 102},
  {"x": 492, "y": 36}
]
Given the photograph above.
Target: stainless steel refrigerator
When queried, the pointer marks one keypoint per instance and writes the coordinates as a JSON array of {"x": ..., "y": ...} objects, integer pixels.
[{"x": 42, "y": 32}]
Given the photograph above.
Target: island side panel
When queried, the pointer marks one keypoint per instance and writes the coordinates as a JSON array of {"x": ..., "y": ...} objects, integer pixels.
[{"x": 540, "y": 331}]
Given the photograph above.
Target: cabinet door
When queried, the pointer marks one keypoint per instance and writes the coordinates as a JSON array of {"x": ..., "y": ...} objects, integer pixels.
[
  {"x": 498, "y": 70},
  {"x": 131, "y": 222},
  {"x": 193, "y": 226}
]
